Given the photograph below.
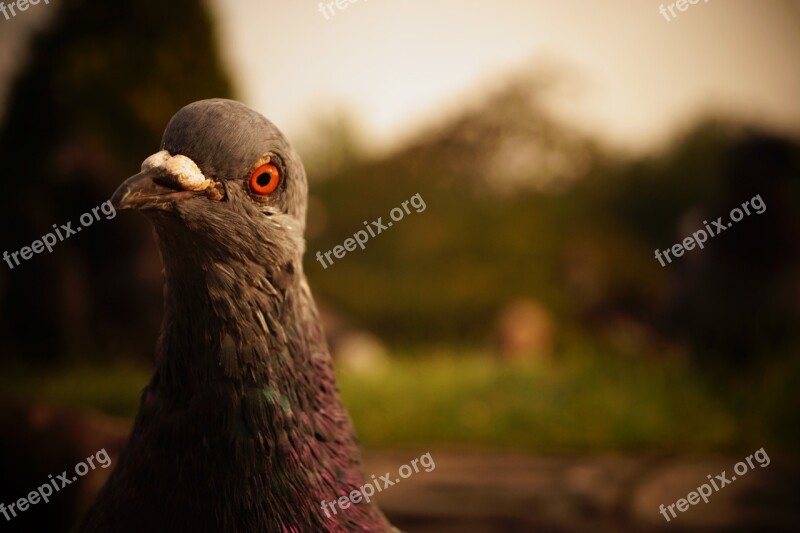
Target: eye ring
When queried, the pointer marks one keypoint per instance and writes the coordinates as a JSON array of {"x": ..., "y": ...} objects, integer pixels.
[{"x": 265, "y": 179}]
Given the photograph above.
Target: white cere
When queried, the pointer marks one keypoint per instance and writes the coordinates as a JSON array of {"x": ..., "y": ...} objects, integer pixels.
[
  {"x": 181, "y": 168},
  {"x": 188, "y": 173},
  {"x": 156, "y": 160}
]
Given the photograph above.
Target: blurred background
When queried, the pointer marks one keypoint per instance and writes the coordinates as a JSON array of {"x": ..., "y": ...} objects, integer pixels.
[{"x": 520, "y": 328}]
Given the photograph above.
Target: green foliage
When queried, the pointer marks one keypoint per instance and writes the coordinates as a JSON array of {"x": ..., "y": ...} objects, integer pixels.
[
  {"x": 588, "y": 401},
  {"x": 437, "y": 274},
  {"x": 584, "y": 249},
  {"x": 122, "y": 69}
]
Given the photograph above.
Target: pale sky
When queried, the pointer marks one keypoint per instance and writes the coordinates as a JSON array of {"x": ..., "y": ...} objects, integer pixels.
[{"x": 399, "y": 63}]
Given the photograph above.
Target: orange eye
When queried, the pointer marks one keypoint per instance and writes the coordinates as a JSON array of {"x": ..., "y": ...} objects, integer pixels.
[{"x": 265, "y": 179}]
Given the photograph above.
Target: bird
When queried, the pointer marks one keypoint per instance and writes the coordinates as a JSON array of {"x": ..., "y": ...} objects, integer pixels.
[{"x": 241, "y": 428}]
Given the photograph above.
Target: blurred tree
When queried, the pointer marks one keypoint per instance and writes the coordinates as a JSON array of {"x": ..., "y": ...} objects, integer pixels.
[
  {"x": 506, "y": 220},
  {"x": 100, "y": 86},
  {"x": 489, "y": 235},
  {"x": 740, "y": 296},
  {"x": 332, "y": 142}
]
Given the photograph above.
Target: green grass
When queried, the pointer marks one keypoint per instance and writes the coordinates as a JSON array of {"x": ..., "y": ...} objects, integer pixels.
[
  {"x": 585, "y": 402},
  {"x": 112, "y": 389}
]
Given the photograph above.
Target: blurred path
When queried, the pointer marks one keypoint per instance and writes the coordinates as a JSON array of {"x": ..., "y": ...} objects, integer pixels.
[{"x": 492, "y": 493}]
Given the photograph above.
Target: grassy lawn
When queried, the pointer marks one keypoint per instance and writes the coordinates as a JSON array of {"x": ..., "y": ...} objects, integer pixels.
[
  {"x": 579, "y": 404},
  {"x": 440, "y": 398}
]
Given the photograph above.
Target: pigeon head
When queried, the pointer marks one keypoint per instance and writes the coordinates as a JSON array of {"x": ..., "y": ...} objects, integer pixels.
[{"x": 225, "y": 177}]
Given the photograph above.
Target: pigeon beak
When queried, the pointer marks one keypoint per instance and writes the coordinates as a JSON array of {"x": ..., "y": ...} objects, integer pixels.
[{"x": 149, "y": 190}]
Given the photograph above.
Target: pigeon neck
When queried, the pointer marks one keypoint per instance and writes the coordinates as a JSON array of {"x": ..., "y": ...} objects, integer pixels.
[
  {"x": 237, "y": 321},
  {"x": 256, "y": 369}
]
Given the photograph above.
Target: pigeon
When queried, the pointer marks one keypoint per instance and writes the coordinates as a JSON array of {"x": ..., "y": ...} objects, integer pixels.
[{"x": 240, "y": 429}]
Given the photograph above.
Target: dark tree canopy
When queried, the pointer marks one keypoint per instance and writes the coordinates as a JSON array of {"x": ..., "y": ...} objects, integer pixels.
[{"x": 101, "y": 83}]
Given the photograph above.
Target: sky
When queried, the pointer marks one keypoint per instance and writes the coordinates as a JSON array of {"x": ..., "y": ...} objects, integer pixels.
[{"x": 636, "y": 79}]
